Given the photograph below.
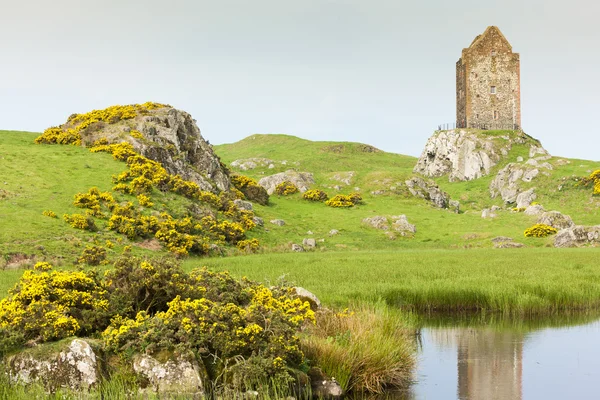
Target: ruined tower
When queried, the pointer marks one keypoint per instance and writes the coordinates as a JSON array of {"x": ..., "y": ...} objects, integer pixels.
[{"x": 488, "y": 84}]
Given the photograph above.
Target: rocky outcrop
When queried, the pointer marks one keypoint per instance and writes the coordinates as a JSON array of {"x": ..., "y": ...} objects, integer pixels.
[
  {"x": 467, "y": 154},
  {"x": 429, "y": 191},
  {"x": 302, "y": 180},
  {"x": 251, "y": 163},
  {"x": 577, "y": 236},
  {"x": 556, "y": 220},
  {"x": 177, "y": 376},
  {"x": 73, "y": 365},
  {"x": 399, "y": 224},
  {"x": 534, "y": 210},
  {"x": 524, "y": 199},
  {"x": 377, "y": 222},
  {"x": 172, "y": 138}
]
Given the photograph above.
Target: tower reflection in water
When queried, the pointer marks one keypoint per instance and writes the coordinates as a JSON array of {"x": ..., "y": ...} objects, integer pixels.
[{"x": 489, "y": 362}]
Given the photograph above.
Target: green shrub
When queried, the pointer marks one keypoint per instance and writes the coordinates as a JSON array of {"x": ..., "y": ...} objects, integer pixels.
[
  {"x": 286, "y": 188},
  {"x": 540, "y": 230},
  {"x": 315, "y": 195}
]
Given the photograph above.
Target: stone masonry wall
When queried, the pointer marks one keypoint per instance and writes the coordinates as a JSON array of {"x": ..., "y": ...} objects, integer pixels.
[{"x": 488, "y": 62}]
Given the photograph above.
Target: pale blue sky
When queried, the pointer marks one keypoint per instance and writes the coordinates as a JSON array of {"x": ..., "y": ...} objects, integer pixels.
[{"x": 378, "y": 72}]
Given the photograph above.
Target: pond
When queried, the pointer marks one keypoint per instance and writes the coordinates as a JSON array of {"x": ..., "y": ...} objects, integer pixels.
[{"x": 552, "y": 359}]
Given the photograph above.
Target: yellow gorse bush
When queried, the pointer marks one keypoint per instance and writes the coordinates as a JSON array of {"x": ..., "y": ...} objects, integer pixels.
[
  {"x": 540, "y": 230},
  {"x": 49, "y": 213},
  {"x": 315, "y": 195},
  {"x": 286, "y": 188}
]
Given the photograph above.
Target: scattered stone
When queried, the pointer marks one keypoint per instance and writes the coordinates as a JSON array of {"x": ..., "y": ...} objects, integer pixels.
[
  {"x": 525, "y": 198},
  {"x": 356, "y": 189},
  {"x": 333, "y": 232},
  {"x": 578, "y": 235},
  {"x": 297, "y": 248},
  {"x": 377, "y": 222},
  {"x": 302, "y": 180},
  {"x": 487, "y": 213},
  {"x": 278, "y": 222},
  {"x": 306, "y": 295},
  {"x": 378, "y": 192},
  {"x": 271, "y": 166},
  {"x": 74, "y": 366},
  {"x": 309, "y": 243},
  {"x": 519, "y": 159},
  {"x": 556, "y": 220},
  {"x": 258, "y": 221},
  {"x": 178, "y": 375},
  {"x": 400, "y": 224},
  {"x": 534, "y": 210},
  {"x": 337, "y": 187},
  {"x": 344, "y": 177},
  {"x": 309, "y": 233},
  {"x": 495, "y": 208},
  {"x": 501, "y": 239},
  {"x": 429, "y": 191},
  {"x": 508, "y": 245},
  {"x": 243, "y": 205},
  {"x": 454, "y": 205}
]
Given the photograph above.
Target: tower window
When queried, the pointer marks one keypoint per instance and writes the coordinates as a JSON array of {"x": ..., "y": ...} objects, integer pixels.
[
  {"x": 493, "y": 89},
  {"x": 496, "y": 115}
]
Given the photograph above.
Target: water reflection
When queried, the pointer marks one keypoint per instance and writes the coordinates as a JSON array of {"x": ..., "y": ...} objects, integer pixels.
[{"x": 508, "y": 359}]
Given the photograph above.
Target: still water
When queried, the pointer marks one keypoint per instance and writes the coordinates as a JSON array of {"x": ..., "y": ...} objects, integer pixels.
[{"x": 487, "y": 361}]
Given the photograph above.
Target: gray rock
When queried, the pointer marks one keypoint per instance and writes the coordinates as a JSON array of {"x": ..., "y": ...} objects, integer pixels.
[
  {"x": 577, "y": 236},
  {"x": 532, "y": 162},
  {"x": 258, "y": 221},
  {"x": 243, "y": 205},
  {"x": 175, "y": 376},
  {"x": 429, "y": 191},
  {"x": 306, "y": 295},
  {"x": 508, "y": 245},
  {"x": 535, "y": 150},
  {"x": 534, "y": 210},
  {"x": 505, "y": 183},
  {"x": 519, "y": 159},
  {"x": 73, "y": 366},
  {"x": 400, "y": 224},
  {"x": 501, "y": 239},
  {"x": 525, "y": 198},
  {"x": 278, "y": 222},
  {"x": 172, "y": 138},
  {"x": 495, "y": 208},
  {"x": 529, "y": 175},
  {"x": 378, "y": 192},
  {"x": 454, "y": 205},
  {"x": 460, "y": 154},
  {"x": 309, "y": 233},
  {"x": 487, "y": 213},
  {"x": 327, "y": 389},
  {"x": 297, "y": 248},
  {"x": 333, "y": 232},
  {"x": 251, "y": 163},
  {"x": 556, "y": 220},
  {"x": 302, "y": 180},
  {"x": 309, "y": 243},
  {"x": 344, "y": 177},
  {"x": 271, "y": 166},
  {"x": 377, "y": 222},
  {"x": 337, "y": 187}
]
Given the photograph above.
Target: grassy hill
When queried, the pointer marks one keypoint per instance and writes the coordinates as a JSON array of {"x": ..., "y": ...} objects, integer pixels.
[{"x": 46, "y": 177}]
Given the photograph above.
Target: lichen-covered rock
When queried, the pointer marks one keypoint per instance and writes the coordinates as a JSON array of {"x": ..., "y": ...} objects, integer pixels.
[
  {"x": 377, "y": 222},
  {"x": 401, "y": 225},
  {"x": 68, "y": 364},
  {"x": 466, "y": 154},
  {"x": 309, "y": 243},
  {"x": 258, "y": 221},
  {"x": 179, "y": 375},
  {"x": 524, "y": 199},
  {"x": 577, "y": 236},
  {"x": 171, "y": 137},
  {"x": 278, "y": 222},
  {"x": 243, "y": 205},
  {"x": 306, "y": 295},
  {"x": 534, "y": 210},
  {"x": 302, "y": 180},
  {"x": 429, "y": 191},
  {"x": 556, "y": 220},
  {"x": 297, "y": 248}
]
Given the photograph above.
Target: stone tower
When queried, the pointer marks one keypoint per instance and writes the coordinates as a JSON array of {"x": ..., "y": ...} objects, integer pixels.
[{"x": 488, "y": 84}]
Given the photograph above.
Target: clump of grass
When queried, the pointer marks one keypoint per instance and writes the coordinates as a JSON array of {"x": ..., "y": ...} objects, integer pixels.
[{"x": 367, "y": 350}]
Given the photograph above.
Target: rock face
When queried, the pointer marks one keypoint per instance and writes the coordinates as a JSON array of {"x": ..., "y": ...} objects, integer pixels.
[
  {"x": 577, "y": 236},
  {"x": 556, "y": 220},
  {"x": 429, "y": 191},
  {"x": 176, "y": 376},
  {"x": 464, "y": 154},
  {"x": 172, "y": 138},
  {"x": 302, "y": 180},
  {"x": 75, "y": 366}
]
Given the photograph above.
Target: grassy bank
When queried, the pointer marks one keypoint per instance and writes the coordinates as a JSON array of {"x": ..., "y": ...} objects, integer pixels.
[{"x": 512, "y": 281}]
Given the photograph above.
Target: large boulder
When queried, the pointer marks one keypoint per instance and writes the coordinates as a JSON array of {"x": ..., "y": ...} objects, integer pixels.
[
  {"x": 556, "y": 220},
  {"x": 429, "y": 191},
  {"x": 524, "y": 199},
  {"x": 577, "y": 236},
  {"x": 171, "y": 137},
  {"x": 71, "y": 364},
  {"x": 466, "y": 154},
  {"x": 302, "y": 180},
  {"x": 176, "y": 376}
]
